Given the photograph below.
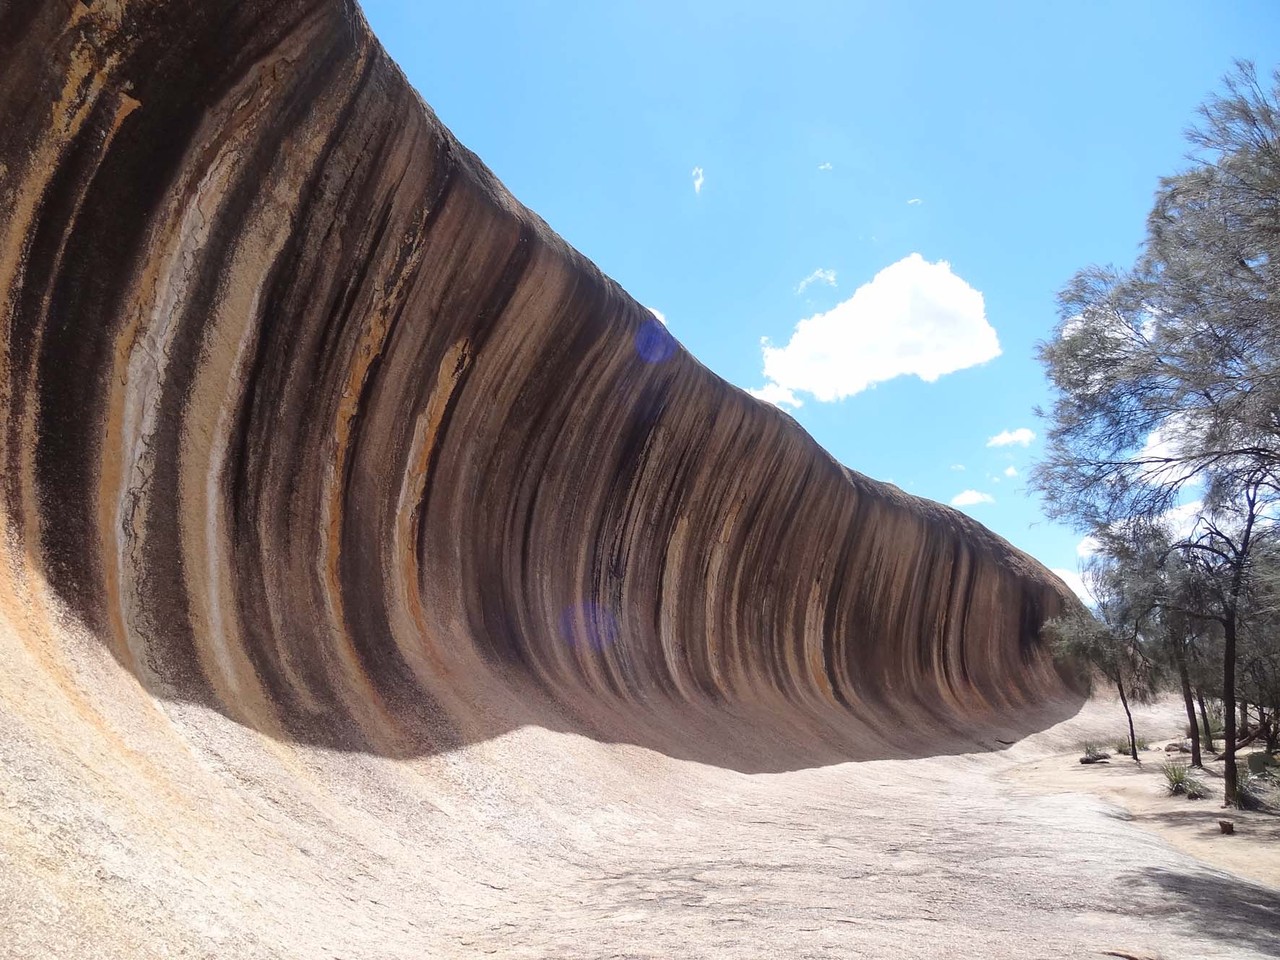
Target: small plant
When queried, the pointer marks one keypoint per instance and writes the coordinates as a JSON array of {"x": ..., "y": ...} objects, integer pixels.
[
  {"x": 1249, "y": 789},
  {"x": 1214, "y": 716},
  {"x": 1182, "y": 782},
  {"x": 1093, "y": 751},
  {"x": 1175, "y": 776},
  {"x": 1198, "y": 731},
  {"x": 1121, "y": 745}
]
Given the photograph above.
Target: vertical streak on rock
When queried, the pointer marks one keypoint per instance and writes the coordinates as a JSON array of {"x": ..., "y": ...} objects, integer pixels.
[
  {"x": 308, "y": 420},
  {"x": 63, "y": 154},
  {"x": 411, "y": 629}
]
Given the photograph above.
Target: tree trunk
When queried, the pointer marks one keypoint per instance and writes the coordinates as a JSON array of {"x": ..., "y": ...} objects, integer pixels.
[
  {"x": 1244, "y": 718},
  {"x": 1181, "y": 656},
  {"x": 1133, "y": 740},
  {"x": 1230, "y": 797},
  {"x": 1204, "y": 716},
  {"x": 1231, "y": 609}
]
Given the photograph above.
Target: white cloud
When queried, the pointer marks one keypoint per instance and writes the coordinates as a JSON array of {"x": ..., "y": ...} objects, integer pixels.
[
  {"x": 1072, "y": 579},
  {"x": 968, "y": 498},
  {"x": 1010, "y": 471},
  {"x": 777, "y": 395},
  {"x": 957, "y": 467},
  {"x": 818, "y": 276},
  {"x": 1021, "y": 437},
  {"x": 914, "y": 202},
  {"x": 1071, "y": 326},
  {"x": 1170, "y": 441},
  {"x": 698, "y": 179},
  {"x": 913, "y": 318},
  {"x": 1182, "y": 519},
  {"x": 662, "y": 317},
  {"x": 824, "y": 166},
  {"x": 1162, "y": 443}
]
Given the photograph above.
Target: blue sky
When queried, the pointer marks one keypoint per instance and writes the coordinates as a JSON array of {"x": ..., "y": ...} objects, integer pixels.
[{"x": 712, "y": 156}]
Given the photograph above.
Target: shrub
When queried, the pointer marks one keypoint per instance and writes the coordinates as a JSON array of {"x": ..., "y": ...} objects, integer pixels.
[
  {"x": 1121, "y": 744},
  {"x": 1249, "y": 789},
  {"x": 1216, "y": 725},
  {"x": 1093, "y": 751},
  {"x": 1215, "y": 728},
  {"x": 1181, "y": 781}
]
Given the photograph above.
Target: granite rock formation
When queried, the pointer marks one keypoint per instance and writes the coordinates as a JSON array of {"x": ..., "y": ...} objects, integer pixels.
[{"x": 306, "y": 420}]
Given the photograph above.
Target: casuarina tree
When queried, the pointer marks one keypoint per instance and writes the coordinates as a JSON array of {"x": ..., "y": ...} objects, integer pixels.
[{"x": 1166, "y": 375}]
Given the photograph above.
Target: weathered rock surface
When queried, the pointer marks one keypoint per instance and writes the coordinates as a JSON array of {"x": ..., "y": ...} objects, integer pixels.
[
  {"x": 315, "y": 440},
  {"x": 307, "y": 419}
]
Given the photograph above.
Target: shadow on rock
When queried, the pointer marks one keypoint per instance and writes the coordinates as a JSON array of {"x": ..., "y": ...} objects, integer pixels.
[{"x": 1227, "y": 909}]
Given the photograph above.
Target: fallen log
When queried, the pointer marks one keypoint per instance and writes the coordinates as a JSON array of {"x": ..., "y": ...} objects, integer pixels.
[{"x": 1241, "y": 743}]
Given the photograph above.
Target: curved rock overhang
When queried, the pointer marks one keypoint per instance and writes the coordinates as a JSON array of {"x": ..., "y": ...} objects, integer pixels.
[{"x": 306, "y": 419}]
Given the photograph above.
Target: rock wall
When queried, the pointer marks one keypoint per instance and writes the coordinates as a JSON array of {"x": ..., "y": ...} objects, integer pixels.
[{"x": 307, "y": 420}]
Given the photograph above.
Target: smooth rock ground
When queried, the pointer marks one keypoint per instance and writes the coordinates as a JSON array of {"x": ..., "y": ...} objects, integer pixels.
[{"x": 208, "y": 840}]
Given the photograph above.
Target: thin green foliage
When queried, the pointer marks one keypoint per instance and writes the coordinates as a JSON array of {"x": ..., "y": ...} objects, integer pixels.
[{"x": 1181, "y": 781}]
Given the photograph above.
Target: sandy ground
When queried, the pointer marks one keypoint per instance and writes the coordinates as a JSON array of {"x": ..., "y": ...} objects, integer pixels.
[
  {"x": 1139, "y": 794},
  {"x": 193, "y": 837}
]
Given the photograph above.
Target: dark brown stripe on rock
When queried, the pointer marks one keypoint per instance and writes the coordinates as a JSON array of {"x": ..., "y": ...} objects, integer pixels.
[{"x": 414, "y": 471}]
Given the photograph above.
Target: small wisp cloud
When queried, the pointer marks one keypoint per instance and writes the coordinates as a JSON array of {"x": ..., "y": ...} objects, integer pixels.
[
  {"x": 818, "y": 276},
  {"x": 1021, "y": 437},
  {"x": 970, "y": 498},
  {"x": 698, "y": 179}
]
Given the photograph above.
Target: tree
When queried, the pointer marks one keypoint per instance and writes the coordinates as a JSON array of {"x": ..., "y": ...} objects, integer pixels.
[
  {"x": 1111, "y": 640},
  {"x": 1179, "y": 632},
  {"x": 1148, "y": 566},
  {"x": 1167, "y": 376},
  {"x": 1221, "y": 585},
  {"x": 1259, "y": 654}
]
